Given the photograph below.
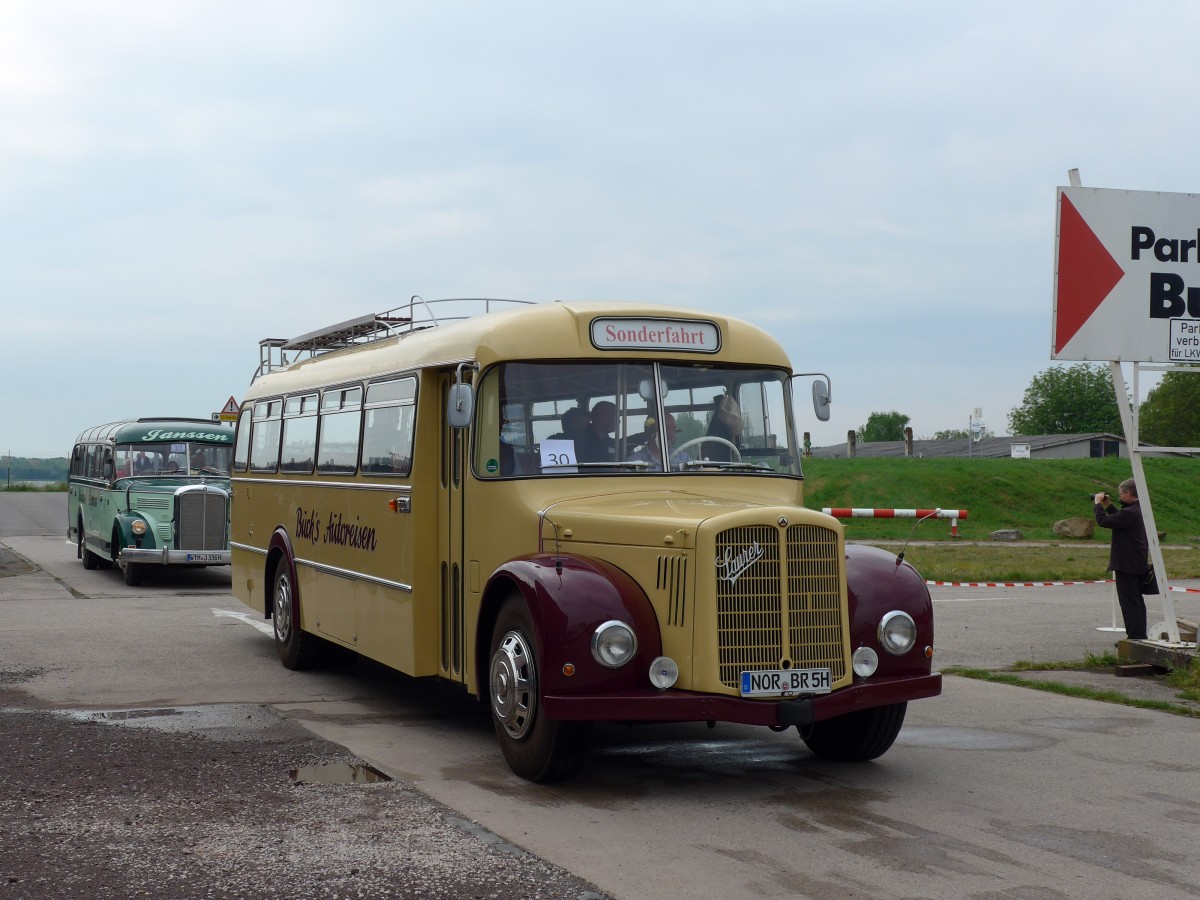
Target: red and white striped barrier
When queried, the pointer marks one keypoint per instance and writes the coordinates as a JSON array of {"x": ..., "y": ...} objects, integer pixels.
[{"x": 845, "y": 512}]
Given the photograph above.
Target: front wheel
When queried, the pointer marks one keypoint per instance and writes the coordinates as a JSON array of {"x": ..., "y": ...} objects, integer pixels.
[
  {"x": 857, "y": 736},
  {"x": 90, "y": 559},
  {"x": 535, "y": 747},
  {"x": 297, "y": 649},
  {"x": 132, "y": 572}
]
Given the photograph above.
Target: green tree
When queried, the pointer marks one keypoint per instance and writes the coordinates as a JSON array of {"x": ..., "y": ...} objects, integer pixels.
[
  {"x": 888, "y": 426},
  {"x": 954, "y": 434},
  {"x": 1170, "y": 416},
  {"x": 1068, "y": 400}
]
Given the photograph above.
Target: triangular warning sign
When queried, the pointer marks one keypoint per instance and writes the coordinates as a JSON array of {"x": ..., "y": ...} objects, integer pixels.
[
  {"x": 1087, "y": 273},
  {"x": 231, "y": 406}
]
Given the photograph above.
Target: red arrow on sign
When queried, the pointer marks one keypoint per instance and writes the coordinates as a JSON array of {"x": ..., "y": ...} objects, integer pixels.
[{"x": 1087, "y": 273}]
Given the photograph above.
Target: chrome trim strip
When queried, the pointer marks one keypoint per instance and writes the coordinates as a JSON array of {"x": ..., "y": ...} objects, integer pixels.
[
  {"x": 353, "y": 576},
  {"x": 234, "y": 545},
  {"x": 351, "y": 485}
]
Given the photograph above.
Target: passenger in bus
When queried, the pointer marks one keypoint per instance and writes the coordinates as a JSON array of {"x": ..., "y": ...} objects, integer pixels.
[
  {"x": 596, "y": 443},
  {"x": 651, "y": 453},
  {"x": 142, "y": 463},
  {"x": 575, "y": 423},
  {"x": 198, "y": 461}
]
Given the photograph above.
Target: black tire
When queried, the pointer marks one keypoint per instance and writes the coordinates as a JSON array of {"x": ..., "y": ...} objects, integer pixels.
[
  {"x": 132, "y": 571},
  {"x": 857, "y": 736},
  {"x": 90, "y": 559},
  {"x": 297, "y": 649},
  {"x": 535, "y": 747}
]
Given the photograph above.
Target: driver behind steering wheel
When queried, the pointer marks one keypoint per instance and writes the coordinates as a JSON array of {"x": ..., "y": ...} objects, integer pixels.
[{"x": 651, "y": 452}]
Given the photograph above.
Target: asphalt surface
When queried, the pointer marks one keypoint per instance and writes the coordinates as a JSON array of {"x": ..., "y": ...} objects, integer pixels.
[
  {"x": 202, "y": 802},
  {"x": 225, "y": 802}
]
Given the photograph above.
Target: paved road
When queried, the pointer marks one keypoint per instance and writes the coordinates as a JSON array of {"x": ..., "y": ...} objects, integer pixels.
[{"x": 990, "y": 791}]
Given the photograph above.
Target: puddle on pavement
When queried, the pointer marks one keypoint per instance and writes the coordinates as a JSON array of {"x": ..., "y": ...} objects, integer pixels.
[{"x": 337, "y": 773}]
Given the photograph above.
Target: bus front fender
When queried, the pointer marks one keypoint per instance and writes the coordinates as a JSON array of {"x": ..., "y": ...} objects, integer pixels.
[
  {"x": 123, "y": 535},
  {"x": 879, "y": 583},
  {"x": 568, "y": 598}
]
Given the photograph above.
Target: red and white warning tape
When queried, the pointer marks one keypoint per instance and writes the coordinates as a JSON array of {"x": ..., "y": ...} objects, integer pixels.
[{"x": 989, "y": 584}]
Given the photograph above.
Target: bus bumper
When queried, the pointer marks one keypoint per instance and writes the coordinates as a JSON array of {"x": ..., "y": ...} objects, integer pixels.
[
  {"x": 167, "y": 557},
  {"x": 685, "y": 706}
]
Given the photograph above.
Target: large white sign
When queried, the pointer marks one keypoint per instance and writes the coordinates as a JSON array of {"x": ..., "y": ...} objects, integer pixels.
[{"x": 1127, "y": 276}]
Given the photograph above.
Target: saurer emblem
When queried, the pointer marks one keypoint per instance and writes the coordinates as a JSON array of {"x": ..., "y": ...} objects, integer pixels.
[{"x": 731, "y": 566}]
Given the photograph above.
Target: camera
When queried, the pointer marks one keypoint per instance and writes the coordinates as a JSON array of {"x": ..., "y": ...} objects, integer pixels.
[{"x": 1092, "y": 497}]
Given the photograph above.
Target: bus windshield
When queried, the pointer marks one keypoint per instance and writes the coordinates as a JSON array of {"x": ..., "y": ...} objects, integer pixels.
[
  {"x": 550, "y": 419},
  {"x": 172, "y": 458}
]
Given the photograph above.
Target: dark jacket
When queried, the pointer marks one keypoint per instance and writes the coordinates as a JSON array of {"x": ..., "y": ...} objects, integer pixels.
[{"x": 1129, "y": 545}]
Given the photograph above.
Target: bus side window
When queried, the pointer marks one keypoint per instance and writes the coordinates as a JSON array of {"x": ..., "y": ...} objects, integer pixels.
[
  {"x": 388, "y": 428},
  {"x": 341, "y": 420},
  {"x": 241, "y": 449},
  {"x": 264, "y": 453},
  {"x": 299, "y": 434}
]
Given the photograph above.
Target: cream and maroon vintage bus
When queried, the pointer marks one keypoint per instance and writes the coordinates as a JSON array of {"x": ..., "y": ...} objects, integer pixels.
[{"x": 485, "y": 499}]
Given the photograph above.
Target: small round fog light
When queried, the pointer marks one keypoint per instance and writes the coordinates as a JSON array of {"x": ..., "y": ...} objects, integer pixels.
[
  {"x": 897, "y": 632},
  {"x": 138, "y": 527},
  {"x": 664, "y": 672},
  {"x": 866, "y": 661},
  {"x": 614, "y": 644}
]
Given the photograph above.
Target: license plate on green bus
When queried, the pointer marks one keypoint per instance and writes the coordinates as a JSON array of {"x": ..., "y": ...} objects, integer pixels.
[{"x": 785, "y": 682}]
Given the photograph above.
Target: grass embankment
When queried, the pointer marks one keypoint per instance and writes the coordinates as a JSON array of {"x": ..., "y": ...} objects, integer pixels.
[
  {"x": 58, "y": 486},
  {"x": 1029, "y": 495}
]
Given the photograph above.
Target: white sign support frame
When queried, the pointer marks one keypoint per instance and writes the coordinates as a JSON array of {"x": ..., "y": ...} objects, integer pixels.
[
  {"x": 1111, "y": 309},
  {"x": 1168, "y": 629}
]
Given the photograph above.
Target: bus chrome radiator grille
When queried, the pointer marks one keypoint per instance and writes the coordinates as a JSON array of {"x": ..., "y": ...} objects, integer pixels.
[
  {"x": 778, "y": 600},
  {"x": 814, "y": 600},
  {"x": 749, "y": 611},
  {"x": 202, "y": 521}
]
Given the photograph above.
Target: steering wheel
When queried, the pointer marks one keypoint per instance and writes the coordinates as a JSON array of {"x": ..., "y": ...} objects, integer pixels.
[{"x": 737, "y": 455}]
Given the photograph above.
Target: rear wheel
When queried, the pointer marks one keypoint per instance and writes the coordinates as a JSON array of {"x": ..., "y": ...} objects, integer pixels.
[
  {"x": 535, "y": 747},
  {"x": 857, "y": 736},
  {"x": 297, "y": 649}
]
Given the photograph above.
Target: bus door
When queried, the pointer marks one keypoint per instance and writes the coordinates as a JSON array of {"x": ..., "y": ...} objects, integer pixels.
[{"x": 452, "y": 483}]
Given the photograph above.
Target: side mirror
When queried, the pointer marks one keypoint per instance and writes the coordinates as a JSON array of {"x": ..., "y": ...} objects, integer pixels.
[
  {"x": 821, "y": 395},
  {"x": 460, "y": 405}
]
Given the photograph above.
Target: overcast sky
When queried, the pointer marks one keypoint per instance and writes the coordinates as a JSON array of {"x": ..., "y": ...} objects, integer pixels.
[{"x": 873, "y": 182}]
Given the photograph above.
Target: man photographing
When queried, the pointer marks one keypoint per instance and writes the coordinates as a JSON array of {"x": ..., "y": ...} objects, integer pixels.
[{"x": 1127, "y": 554}]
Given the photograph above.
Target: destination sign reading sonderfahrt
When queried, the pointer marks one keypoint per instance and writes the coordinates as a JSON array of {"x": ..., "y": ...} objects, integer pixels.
[
  {"x": 1127, "y": 276},
  {"x": 690, "y": 335}
]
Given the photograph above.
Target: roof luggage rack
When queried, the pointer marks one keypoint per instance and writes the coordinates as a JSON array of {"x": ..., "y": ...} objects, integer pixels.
[{"x": 416, "y": 315}]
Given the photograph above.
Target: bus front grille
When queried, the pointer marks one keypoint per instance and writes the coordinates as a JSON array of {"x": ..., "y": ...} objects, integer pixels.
[
  {"x": 778, "y": 601},
  {"x": 202, "y": 520}
]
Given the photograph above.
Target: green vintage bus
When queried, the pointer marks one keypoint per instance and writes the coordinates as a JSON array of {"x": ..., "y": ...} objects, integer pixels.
[{"x": 150, "y": 493}]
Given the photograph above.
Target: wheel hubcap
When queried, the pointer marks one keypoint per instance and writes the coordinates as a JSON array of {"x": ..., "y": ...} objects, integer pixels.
[
  {"x": 514, "y": 685},
  {"x": 283, "y": 608}
]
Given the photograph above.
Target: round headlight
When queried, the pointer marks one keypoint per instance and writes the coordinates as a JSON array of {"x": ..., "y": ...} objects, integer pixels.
[
  {"x": 138, "y": 527},
  {"x": 897, "y": 632},
  {"x": 865, "y": 662},
  {"x": 664, "y": 672},
  {"x": 614, "y": 644}
]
